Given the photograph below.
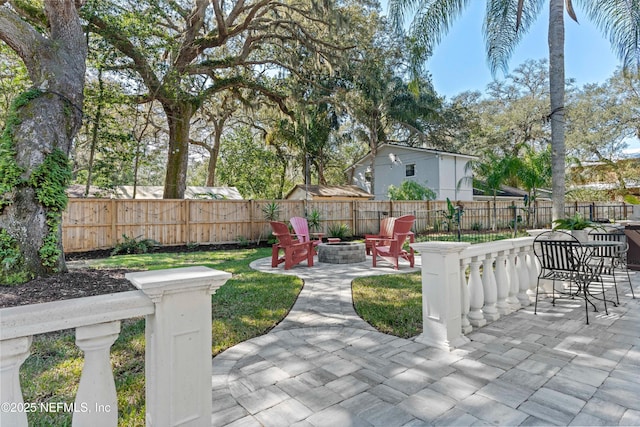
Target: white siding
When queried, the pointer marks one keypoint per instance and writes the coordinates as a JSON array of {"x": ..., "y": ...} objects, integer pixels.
[{"x": 440, "y": 172}]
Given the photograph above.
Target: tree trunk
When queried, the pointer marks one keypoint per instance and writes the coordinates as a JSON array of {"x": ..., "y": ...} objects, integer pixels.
[
  {"x": 95, "y": 131},
  {"x": 179, "y": 121},
  {"x": 373, "y": 145},
  {"x": 39, "y": 138},
  {"x": 214, "y": 152},
  {"x": 556, "y": 87}
]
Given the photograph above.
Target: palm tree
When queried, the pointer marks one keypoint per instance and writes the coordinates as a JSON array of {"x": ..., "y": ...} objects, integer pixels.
[
  {"x": 492, "y": 173},
  {"x": 505, "y": 23},
  {"x": 533, "y": 171}
]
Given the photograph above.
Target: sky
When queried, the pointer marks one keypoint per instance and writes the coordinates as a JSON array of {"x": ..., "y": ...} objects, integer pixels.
[{"x": 459, "y": 62}]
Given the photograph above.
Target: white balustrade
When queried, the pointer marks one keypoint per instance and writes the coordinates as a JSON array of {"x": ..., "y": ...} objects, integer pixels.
[
  {"x": 499, "y": 275},
  {"x": 177, "y": 304}
]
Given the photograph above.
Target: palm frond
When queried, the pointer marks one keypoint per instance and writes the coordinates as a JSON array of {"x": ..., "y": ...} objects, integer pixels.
[
  {"x": 506, "y": 21},
  {"x": 432, "y": 21},
  {"x": 620, "y": 22}
]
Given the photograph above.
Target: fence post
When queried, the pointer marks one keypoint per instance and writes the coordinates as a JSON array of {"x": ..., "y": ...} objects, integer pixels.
[
  {"x": 114, "y": 219},
  {"x": 187, "y": 220},
  {"x": 441, "y": 294},
  {"x": 178, "y": 340}
]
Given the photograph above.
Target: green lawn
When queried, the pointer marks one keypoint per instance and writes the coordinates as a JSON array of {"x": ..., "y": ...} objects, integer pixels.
[
  {"x": 392, "y": 303},
  {"x": 248, "y": 305}
]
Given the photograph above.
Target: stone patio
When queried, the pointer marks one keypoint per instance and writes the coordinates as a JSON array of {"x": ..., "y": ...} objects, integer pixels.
[{"x": 324, "y": 366}]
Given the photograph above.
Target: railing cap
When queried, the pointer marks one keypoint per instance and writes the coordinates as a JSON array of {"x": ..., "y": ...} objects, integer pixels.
[
  {"x": 440, "y": 247},
  {"x": 33, "y": 319},
  {"x": 157, "y": 283}
]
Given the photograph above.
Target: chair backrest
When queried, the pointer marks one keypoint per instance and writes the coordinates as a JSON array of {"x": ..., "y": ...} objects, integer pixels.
[
  {"x": 609, "y": 235},
  {"x": 558, "y": 251},
  {"x": 300, "y": 228},
  {"x": 281, "y": 231},
  {"x": 386, "y": 226},
  {"x": 401, "y": 227}
]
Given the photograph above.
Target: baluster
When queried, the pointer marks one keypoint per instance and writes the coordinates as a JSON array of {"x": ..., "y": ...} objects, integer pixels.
[
  {"x": 96, "y": 401},
  {"x": 13, "y": 353},
  {"x": 502, "y": 284},
  {"x": 490, "y": 289},
  {"x": 464, "y": 297},
  {"x": 514, "y": 281},
  {"x": 534, "y": 269},
  {"x": 523, "y": 277},
  {"x": 476, "y": 295}
]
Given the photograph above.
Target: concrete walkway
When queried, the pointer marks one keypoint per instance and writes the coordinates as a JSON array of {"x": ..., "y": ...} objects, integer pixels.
[{"x": 324, "y": 366}]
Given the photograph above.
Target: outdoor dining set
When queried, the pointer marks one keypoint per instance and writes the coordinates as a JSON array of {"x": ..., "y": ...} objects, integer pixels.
[{"x": 581, "y": 268}]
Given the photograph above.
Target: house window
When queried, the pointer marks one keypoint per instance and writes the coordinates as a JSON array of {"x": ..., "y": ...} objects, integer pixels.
[
  {"x": 410, "y": 170},
  {"x": 367, "y": 175}
]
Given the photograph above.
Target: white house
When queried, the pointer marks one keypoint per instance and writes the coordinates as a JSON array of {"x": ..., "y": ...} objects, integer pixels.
[{"x": 445, "y": 173}]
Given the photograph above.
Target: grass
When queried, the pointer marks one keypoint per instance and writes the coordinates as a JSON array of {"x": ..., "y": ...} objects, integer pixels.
[
  {"x": 392, "y": 303},
  {"x": 248, "y": 305}
]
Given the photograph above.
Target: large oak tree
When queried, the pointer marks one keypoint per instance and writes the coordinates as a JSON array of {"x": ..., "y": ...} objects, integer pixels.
[
  {"x": 185, "y": 51},
  {"x": 38, "y": 134}
]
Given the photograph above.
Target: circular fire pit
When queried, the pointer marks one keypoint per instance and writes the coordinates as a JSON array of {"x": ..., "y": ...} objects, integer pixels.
[{"x": 341, "y": 252}]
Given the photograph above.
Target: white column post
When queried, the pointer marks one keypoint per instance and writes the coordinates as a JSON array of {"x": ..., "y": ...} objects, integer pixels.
[
  {"x": 96, "y": 402},
  {"x": 13, "y": 353},
  {"x": 441, "y": 296},
  {"x": 178, "y": 339}
]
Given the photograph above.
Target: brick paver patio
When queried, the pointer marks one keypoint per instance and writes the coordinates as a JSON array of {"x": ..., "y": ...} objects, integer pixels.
[{"x": 324, "y": 366}]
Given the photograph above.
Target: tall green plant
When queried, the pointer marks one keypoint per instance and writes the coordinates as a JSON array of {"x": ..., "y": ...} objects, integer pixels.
[
  {"x": 271, "y": 212},
  {"x": 313, "y": 219}
]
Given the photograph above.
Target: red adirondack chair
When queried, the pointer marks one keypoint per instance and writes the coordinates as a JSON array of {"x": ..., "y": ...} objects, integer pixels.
[
  {"x": 301, "y": 229},
  {"x": 391, "y": 250},
  {"x": 386, "y": 231},
  {"x": 294, "y": 251}
]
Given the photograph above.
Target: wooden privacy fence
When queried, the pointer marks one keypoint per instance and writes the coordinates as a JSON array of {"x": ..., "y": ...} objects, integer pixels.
[{"x": 92, "y": 224}]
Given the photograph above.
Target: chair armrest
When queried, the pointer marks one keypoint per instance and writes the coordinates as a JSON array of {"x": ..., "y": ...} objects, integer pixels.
[
  {"x": 372, "y": 236},
  {"x": 379, "y": 241}
]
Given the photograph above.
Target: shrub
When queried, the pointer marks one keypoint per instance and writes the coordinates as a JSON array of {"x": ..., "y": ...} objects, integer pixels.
[
  {"x": 576, "y": 222},
  {"x": 340, "y": 231},
  {"x": 134, "y": 245},
  {"x": 314, "y": 220}
]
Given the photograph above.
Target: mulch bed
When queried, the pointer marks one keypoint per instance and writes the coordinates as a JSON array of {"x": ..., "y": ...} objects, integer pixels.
[
  {"x": 74, "y": 284},
  {"x": 78, "y": 283}
]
